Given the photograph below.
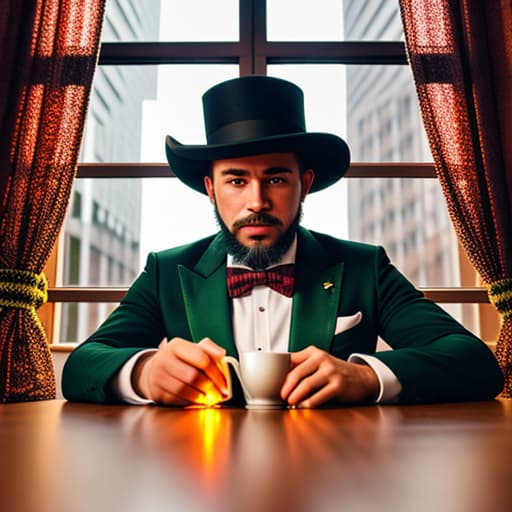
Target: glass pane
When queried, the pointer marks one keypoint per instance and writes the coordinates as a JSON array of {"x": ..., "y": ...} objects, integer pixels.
[
  {"x": 173, "y": 214},
  {"x": 383, "y": 118},
  {"x": 170, "y": 20},
  {"x": 125, "y": 20},
  {"x": 303, "y": 20},
  {"x": 374, "y": 108},
  {"x": 372, "y": 20},
  {"x": 79, "y": 320},
  {"x": 133, "y": 108},
  {"x": 409, "y": 218},
  {"x": 324, "y": 93},
  {"x": 122, "y": 220},
  {"x": 102, "y": 243},
  {"x": 468, "y": 315},
  {"x": 333, "y": 20}
]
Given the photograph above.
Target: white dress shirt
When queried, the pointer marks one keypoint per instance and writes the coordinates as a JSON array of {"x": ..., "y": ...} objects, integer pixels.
[{"x": 261, "y": 321}]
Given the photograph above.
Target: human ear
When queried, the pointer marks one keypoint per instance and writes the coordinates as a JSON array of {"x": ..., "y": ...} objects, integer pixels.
[
  {"x": 208, "y": 185},
  {"x": 307, "y": 179}
]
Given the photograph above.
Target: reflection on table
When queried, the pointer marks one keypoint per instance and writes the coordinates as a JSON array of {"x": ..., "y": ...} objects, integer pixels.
[{"x": 59, "y": 456}]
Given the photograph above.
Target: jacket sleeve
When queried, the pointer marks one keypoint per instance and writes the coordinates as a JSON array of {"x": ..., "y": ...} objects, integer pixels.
[
  {"x": 136, "y": 324},
  {"x": 435, "y": 358}
]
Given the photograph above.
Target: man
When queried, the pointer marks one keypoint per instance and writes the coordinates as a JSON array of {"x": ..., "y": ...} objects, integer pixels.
[{"x": 324, "y": 300}]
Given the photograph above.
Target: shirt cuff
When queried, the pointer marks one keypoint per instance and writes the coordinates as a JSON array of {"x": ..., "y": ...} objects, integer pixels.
[
  {"x": 390, "y": 387},
  {"x": 122, "y": 382}
]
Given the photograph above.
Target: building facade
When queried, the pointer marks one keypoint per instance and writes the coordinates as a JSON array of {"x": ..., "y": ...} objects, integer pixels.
[
  {"x": 407, "y": 216},
  {"x": 102, "y": 229}
]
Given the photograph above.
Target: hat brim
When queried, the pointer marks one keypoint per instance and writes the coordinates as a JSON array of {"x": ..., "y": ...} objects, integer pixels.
[{"x": 325, "y": 153}]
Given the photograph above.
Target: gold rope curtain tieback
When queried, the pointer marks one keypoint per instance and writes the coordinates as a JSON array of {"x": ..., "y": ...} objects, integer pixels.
[
  {"x": 22, "y": 289},
  {"x": 500, "y": 294}
]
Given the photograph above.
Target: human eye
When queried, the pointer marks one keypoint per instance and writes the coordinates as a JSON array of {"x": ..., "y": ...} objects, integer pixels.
[
  {"x": 237, "y": 182},
  {"x": 276, "y": 180}
]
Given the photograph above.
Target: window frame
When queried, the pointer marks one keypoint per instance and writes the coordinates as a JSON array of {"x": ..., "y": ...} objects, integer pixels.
[{"x": 251, "y": 53}]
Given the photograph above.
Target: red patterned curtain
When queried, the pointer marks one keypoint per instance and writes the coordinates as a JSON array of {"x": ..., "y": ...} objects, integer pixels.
[
  {"x": 460, "y": 52},
  {"x": 48, "y": 53}
]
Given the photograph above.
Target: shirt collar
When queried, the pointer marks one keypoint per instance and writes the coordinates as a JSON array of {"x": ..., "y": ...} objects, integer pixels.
[{"x": 289, "y": 257}]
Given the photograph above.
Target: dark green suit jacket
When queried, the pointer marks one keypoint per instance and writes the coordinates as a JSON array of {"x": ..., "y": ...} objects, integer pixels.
[{"x": 182, "y": 292}]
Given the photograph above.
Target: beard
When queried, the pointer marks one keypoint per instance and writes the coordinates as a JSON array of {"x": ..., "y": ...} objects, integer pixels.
[{"x": 257, "y": 256}]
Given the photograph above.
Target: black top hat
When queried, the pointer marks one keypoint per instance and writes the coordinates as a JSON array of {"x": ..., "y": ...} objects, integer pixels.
[{"x": 254, "y": 115}]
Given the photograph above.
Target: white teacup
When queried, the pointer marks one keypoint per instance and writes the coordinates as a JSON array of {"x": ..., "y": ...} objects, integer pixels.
[{"x": 261, "y": 376}]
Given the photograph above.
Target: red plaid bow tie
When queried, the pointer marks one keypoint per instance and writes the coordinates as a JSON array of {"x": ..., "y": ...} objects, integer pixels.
[{"x": 241, "y": 281}]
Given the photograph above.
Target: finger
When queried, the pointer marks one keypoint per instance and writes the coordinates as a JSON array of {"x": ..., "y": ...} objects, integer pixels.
[
  {"x": 323, "y": 395},
  {"x": 215, "y": 369},
  {"x": 214, "y": 350},
  {"x": 164, "y": 397},
  {"x": 168, "y": 372},
  {"x": 186, "y": 374},
  {"x": 188, "y": 385},
  {"x": 191, "y": 353},
  {"x": 195, "y": 355},
  {"x": 175, "y": 378},
  {"x": 297, "y": 374},
  {"x": 306, "y": 388},
  {"x": 297, "y": 358}
]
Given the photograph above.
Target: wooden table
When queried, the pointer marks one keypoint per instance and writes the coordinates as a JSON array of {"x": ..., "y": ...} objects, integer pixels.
[{"x": 64, "y": 457}]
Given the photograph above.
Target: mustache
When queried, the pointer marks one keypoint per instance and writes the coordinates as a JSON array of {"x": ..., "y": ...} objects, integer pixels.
[{"x": 256, "y": 218}]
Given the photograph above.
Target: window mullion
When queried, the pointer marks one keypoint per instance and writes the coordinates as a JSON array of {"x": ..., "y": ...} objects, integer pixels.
[
  {"x": 246, "y": 37},
  {"x": 260, "y": 37}
]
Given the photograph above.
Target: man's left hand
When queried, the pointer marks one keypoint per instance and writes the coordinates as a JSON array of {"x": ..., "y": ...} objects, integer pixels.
[{"x": 317, "y": 377}]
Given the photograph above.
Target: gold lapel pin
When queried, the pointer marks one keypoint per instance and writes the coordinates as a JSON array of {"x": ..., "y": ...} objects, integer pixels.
[{"x": 327, "y": 285}]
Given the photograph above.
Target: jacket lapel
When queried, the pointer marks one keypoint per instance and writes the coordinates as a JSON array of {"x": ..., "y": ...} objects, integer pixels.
[
  {"x": 315, "y": 302},
  {"x": 206, "y": 300},
  {"x": 317, "y": 295}
]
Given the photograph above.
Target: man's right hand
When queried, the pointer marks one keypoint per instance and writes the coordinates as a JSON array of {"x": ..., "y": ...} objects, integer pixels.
[{"x": 182, "y": 373}]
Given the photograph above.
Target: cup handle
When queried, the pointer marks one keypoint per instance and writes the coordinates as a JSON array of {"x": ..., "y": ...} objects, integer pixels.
[{"x": 236, "y": 366}]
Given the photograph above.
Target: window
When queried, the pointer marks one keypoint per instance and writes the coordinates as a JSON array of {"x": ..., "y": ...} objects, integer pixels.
[
  {"x": 158, "y": 57},
  {"x": 76, "y": 205}
]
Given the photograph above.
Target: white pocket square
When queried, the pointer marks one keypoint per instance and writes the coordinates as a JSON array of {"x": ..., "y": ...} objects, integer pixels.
[{"x": 344, "y": 323}]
